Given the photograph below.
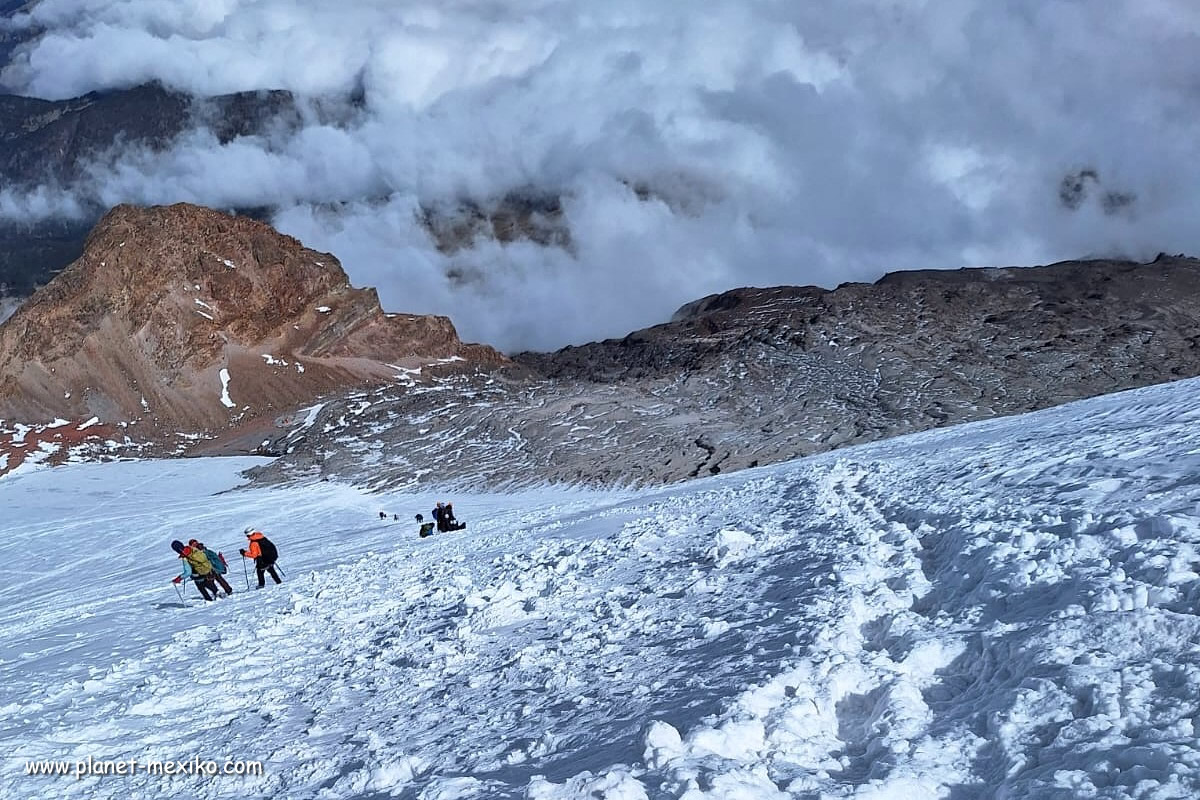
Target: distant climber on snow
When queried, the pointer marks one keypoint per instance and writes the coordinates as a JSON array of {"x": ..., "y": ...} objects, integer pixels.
[
  {"x": 196, "y": 567},
  {"x": 219, "y": 565},
  {"x": 264, "y": 554},
  {"x": 452, "y": 523},
  {"x": 443, "y": 515},
  {"x": 426, "y": 527}
]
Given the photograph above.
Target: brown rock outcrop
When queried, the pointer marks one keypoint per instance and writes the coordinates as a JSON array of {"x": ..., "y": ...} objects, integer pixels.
[{"x": 184, "y": 319}]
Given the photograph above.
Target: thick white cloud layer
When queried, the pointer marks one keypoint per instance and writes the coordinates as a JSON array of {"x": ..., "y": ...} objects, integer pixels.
[{"x": 783, "y": 141}]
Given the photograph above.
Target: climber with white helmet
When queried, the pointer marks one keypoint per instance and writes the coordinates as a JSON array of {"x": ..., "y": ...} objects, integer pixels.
[{"x": 264, "y": 553}]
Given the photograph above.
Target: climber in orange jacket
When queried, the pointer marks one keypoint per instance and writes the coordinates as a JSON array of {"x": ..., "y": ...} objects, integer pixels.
[{"x": 264, "y": 553}]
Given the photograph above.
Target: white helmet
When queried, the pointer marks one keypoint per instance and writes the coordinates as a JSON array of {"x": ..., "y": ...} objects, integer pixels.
[{"x": 249, "y": 530}]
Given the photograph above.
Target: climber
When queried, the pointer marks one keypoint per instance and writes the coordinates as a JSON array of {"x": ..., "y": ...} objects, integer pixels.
[
  {"x": 219, "y": 565},
  {"x": 197, "y": 567},
  {"x": 264, "y": 553}
]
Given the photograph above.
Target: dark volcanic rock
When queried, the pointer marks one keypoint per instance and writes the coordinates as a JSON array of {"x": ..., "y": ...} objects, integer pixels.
[
  {"x": 1004, "y": 326},
  {"x": 31, "y": 253},
  {"x": 44, "y": 141}
]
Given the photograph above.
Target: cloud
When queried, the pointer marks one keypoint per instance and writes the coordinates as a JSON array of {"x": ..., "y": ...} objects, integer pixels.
[{"x": 748, "y": 143}]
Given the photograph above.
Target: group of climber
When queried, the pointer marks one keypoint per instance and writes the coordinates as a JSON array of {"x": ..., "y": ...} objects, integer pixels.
[
  {"x": 443, "y": 519},
  {"x": 206, "y": 568}
]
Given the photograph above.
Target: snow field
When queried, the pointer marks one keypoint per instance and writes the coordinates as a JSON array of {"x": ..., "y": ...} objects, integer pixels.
[{"x": 1004, "y": 609}]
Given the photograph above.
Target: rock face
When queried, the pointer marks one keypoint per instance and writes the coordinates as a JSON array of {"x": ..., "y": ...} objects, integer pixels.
[
  {"x": 184, "y": 319},
  {"x": 754, "y": 376}
]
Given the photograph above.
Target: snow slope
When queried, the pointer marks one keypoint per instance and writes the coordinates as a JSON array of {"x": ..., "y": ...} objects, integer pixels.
[{"x": 1003, "y": 609}]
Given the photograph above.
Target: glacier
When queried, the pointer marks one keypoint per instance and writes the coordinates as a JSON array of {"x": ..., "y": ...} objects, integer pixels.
[{"x": 1004, "y": 609}]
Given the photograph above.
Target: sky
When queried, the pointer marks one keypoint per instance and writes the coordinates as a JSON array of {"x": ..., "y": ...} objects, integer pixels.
[{"x": 775, "y": 142}]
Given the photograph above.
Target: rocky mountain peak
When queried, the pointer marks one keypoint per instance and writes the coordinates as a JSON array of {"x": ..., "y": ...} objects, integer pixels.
[{"x": 181, "y": 318}]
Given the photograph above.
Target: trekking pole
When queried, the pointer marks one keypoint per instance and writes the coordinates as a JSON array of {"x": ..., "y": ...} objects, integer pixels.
[
  {"x": 246, "y": 572},
  {"x": 281, "y": 572},
  {"x": 176, "y": 585}
]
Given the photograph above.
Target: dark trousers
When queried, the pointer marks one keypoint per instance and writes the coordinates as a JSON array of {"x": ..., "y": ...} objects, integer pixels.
[
  {"x": 219, "y": 578},
  {"x": 262, "y": 569},
  {"x": 208, "y": 589}
]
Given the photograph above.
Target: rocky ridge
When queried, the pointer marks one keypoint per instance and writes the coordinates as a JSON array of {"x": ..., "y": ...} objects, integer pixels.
[
  {"x": 185, "y": 330},
  {"x": 181, "y": 320},
  {"x": 755, "y": 376}
]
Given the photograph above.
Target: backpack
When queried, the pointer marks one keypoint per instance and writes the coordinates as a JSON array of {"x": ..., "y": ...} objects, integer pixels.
[
  {"x": 269, "y": 552},
  {"x": 217, "y": 562},
  {"x": 200, "y": 563}
]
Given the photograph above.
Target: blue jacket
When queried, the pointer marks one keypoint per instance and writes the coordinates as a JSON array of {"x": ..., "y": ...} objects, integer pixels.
[{"x": 187, "y": 569}]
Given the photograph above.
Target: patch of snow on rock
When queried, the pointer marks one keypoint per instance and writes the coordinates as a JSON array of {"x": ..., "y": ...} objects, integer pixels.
[{"x": 225, "y": 401}]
